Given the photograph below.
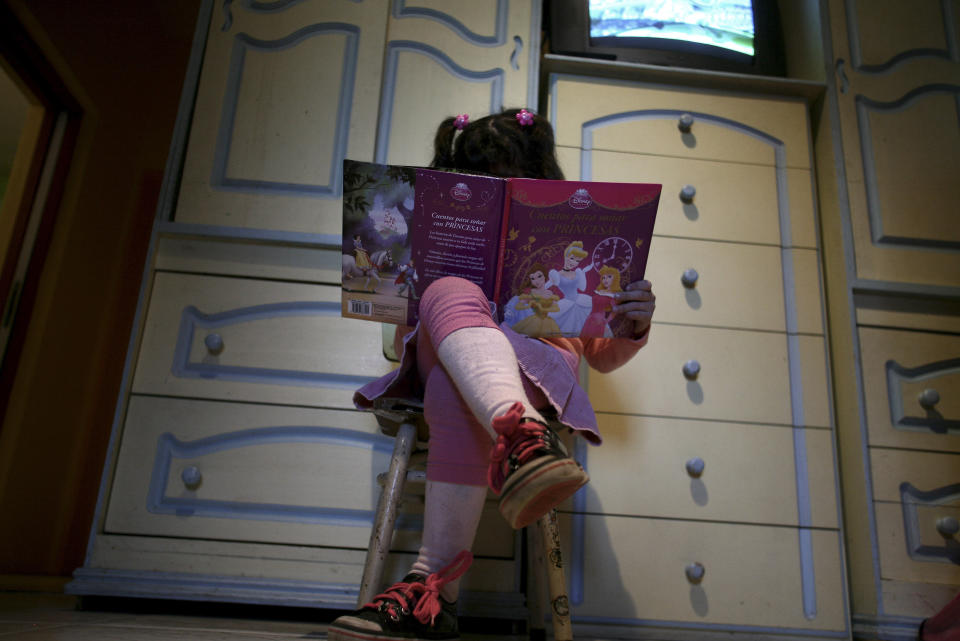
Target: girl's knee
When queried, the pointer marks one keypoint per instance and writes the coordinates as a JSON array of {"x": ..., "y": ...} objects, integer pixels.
[
  {"x": 451, "y": 286},
  {"x": 452, "y": 294}
]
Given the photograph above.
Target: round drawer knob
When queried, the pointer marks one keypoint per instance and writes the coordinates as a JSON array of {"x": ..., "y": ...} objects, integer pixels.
[
  {"x": 929, "y": 398},
  {"x": 685, "y": 123},
  {"x": 691, "y": 369},
  {"x": 214, "y": 343},
  {"x": 689, "y": 278},
  {"x": 947, "y": 526},
  {"x": 695, "y": 467},
  {"x": 191, "y": 476},
  {"x": 687, "y": 192},
  {"x": 695, "y": 572}
]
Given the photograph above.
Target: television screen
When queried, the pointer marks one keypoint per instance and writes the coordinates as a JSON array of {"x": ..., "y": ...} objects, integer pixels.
[{"x": 727, "y": 24}]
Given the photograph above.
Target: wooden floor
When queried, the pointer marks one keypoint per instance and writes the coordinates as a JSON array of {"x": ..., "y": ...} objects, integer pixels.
[{"x": 58, "y": 617}]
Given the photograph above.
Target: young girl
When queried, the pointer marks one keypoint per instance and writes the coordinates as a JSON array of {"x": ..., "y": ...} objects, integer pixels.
[{"x": 485, "y": 389}]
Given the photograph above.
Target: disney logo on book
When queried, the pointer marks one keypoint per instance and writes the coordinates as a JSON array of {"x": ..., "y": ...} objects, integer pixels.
[
  {"x": 461, "y": 192},
  {"x": 580, "y": 199}
]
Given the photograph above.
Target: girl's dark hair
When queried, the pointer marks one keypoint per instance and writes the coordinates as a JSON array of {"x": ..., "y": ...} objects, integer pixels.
[{"x": 498, "y": 145}]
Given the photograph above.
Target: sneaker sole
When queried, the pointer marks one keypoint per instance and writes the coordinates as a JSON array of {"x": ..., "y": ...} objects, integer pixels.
[
  {"x": 538, "y": 487},
  {"x": 339, "y": 634}
]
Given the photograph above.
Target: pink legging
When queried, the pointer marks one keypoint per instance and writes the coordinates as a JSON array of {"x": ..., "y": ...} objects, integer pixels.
[{"x": 459, "y": 446}]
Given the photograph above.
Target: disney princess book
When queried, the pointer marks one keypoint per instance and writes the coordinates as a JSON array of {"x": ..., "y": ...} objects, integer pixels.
[{"x": 549, "y": 254}]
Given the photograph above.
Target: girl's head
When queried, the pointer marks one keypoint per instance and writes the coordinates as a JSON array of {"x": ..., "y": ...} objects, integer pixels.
[
  {"x": 573, "y": 254},
  {"x": 497, "y": 144},
  {"x": 609, "y": 279}
]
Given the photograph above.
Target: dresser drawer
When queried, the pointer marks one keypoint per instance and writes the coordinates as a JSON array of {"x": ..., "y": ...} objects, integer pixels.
[
  {"x": 242, "y": 472},
  {"x": 731, "y": 201},
  {"x": 744, "y": 376},
  {"x": 925, "y": 471},
  {"x": 634, "y": 117},
  {"x": 748, "y": 474},
  {"x": 634, "y": 571},
  {"x": 899, "y": 367},
  {"x": 256, "y": 341},
  {"x": 917, "y": 552},
  {"x": 733, "y": 285},
  {"x": 916, "y": 496},
  {"x": 220, "y": 257}
]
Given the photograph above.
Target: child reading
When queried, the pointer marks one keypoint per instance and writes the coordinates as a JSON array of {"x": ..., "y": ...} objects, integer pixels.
[{"x": 484, "y": 389}]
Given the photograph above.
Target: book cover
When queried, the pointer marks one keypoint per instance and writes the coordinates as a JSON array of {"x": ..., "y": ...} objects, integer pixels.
[
  {"x": 548, "y": 254},
  {"x": 570, "y": 246}
]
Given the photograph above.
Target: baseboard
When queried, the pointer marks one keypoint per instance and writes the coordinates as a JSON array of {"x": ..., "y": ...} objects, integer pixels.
[{"x": 33, "y": 583}]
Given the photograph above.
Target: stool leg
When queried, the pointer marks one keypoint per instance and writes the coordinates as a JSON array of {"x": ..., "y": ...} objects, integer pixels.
[
  {"x": 381, "y": 536},
  {"x": 536, "y": 577},
  {"x": 559, "y": 603}
]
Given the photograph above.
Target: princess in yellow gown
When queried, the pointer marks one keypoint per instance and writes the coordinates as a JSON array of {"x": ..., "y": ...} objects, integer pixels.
[
  {"x": 361, "y": 257},
  {"x": 539, "y": 300}
]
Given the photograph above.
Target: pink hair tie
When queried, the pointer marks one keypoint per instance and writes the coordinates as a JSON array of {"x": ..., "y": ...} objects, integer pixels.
[
  {"x": 525, "y": 118},
  {"x": 461, "y": 121}
]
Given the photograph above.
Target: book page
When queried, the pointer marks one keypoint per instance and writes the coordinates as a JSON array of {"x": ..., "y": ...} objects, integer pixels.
[
  {"x": 457, "y": 227},
  {"x": 405, "y": 227},
  {"x": 570, "y": 246}
]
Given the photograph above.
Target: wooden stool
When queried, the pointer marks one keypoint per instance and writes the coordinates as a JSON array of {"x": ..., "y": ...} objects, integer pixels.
[{"x": 403, "y": 419}]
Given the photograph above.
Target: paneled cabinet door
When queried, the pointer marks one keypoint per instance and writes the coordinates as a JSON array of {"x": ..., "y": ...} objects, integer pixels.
[
  {"x": 899, "y": 90},
  {"x": 286, "y": 91},
  {"x": 446, "y": 58}
]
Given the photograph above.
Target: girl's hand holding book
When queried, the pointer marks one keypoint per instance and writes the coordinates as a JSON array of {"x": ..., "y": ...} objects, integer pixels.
[{"x": 637, "y": 303}]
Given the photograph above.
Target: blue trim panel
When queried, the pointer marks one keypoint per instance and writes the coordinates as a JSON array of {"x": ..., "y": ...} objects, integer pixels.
[
  {"x": 265, "y": 590},
  {"x": 242, "y": 43},
  {"x": 856, "y": 55},
  {"x": 911, "y": 499},
  {"x": 578, "y": 525},
  {"x": 649, "y": 114},
  {"x": 717, "y": 627},
  {"x": 499, "y": 37},
  {"x": 227, "y": 16},
  {"x": 533, "y": 68},
  {"x": 493, "y": 76},
  {"x": 271, "y": 7},
  {"x": 864, "y": 106},
  {"x": 213, "y": 587},
  {"x": 334, "y": 241},
  {"x": 170, "y": 448},
  {"x": 258, "y": 7},
  {"x": 192, "y": 320},
  {"x": 933, "y": 422}
]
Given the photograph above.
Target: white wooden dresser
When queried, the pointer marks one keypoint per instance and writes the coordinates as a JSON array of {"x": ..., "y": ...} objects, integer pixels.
[
  {"x": 896, "y": 304},
  {"x": 713, "y": 502},
  {"x": 238, "y": 469}
]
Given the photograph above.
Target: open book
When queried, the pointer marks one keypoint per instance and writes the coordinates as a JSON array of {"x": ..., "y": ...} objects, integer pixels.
[{"x": 549, "y": 254}]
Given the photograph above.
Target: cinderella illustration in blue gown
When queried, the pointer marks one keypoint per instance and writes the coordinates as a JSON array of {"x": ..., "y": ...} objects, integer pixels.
[{"x": 575, "y": 306}]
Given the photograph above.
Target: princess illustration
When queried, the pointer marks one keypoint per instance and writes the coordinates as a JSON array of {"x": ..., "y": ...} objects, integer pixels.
[
  {"x": 361, "y": 257},
  {"x": 597, "y": 324},
  {"x": 529, "y": 311},
  {"x": 575, "y": 306}
]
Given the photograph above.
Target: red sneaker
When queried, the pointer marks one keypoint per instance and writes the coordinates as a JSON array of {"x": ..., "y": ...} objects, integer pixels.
[
  {"x": 530, "y": 469},
  {"x": 412, "y": 610}
]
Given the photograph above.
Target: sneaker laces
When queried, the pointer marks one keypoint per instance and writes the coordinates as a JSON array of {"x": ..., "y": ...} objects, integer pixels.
[
  {"x": 519, "y": 439},
  {"x": 422, "y": 599}
]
